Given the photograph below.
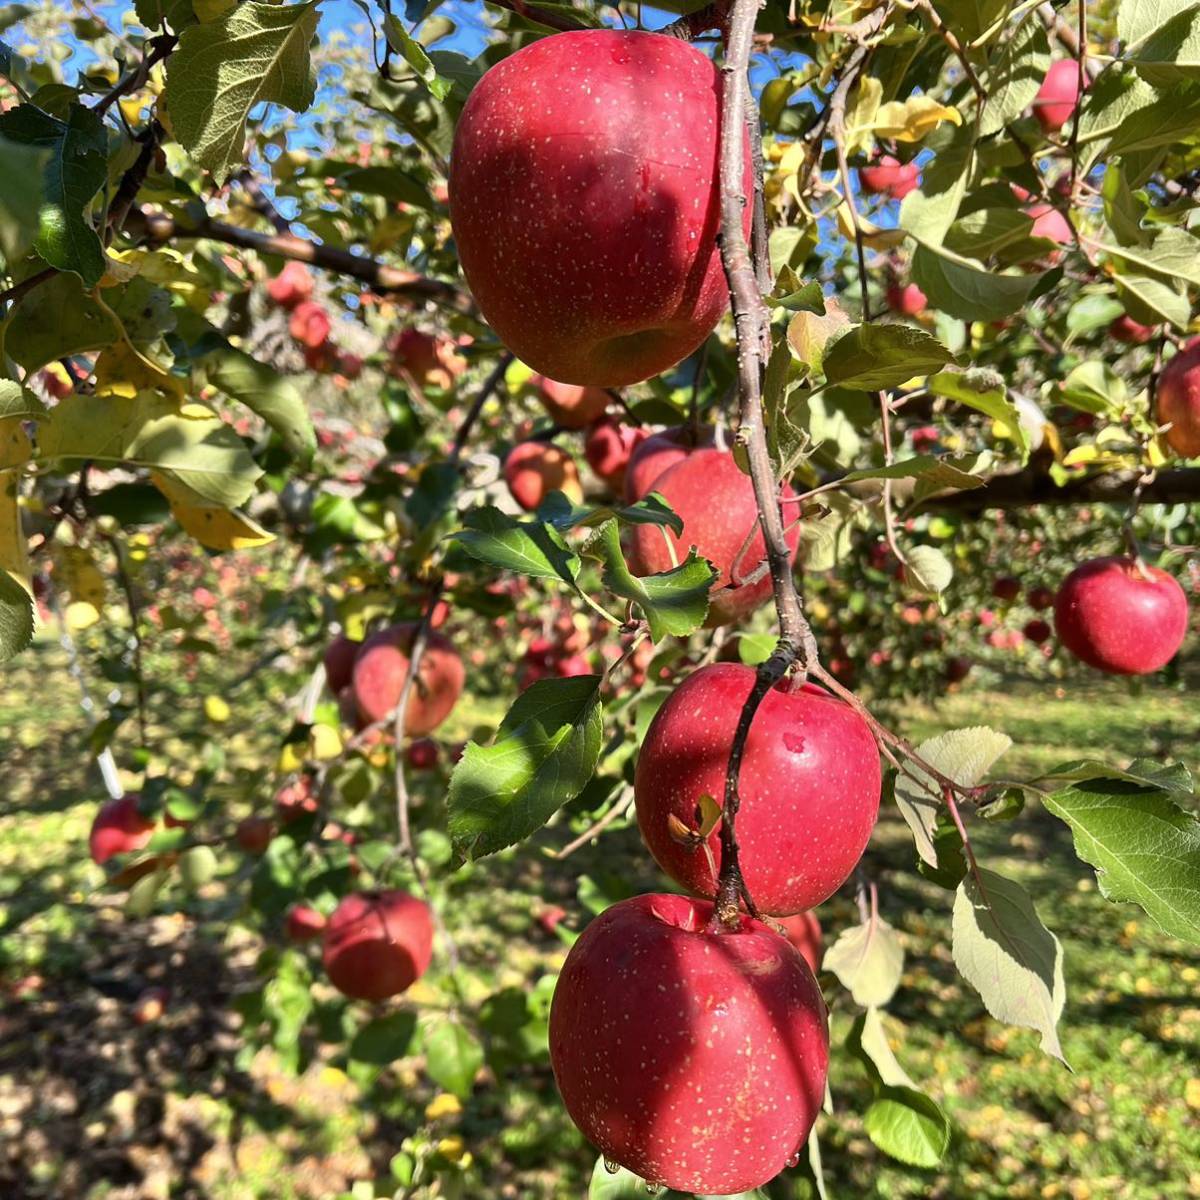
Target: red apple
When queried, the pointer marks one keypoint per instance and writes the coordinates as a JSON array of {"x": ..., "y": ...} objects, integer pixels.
[
  {"x": 716, "y": 503},
  {"x": 571, "y": 406},
  {"x": 1037, "y": 631},
  {"x": 925, "y": 438},
  {"x": 379, "y": 673},
  {"x": 693, "y": 1057},
  {"x": 310, "y": 324},
  {"x": 906, "y": 299},
  {"x": 549, "y": 917},
  {"x": 150, "y": 1005},
  {"x": 349, "y": 366},
  {"x": 430, "y": 361},
  {"x": 118, "y": 828},
  {"x": 809, "y": 786},
  {"x": 253, "y": 834},
  {"x": 303, "y": 923},
  {"x": 585, "y": 203},
  {"x": 887, "y": 175},
  {"x": 957, "y": 669},
  {"x": 1120, "y": 616},
  {"x": 377, "y": 944},
  {"x": 573, "y": 664},
  {"x": 56, "y": 381},
  {"x": 1177, "y": 398},
  {"x": 608, "y": 447},
  {"x": 1040, "y": 598},
  {"x": 296, "y": 800},
  {"x": 658, "y": 452},
  {"x": 803, "y": 930},
  {"x": 1058, "y": 95},
  {"x": 533, "y": 470},
  {"x": 422, "y": 755},
  {"x": 1006, "y": 587},
  {"x": 339, "y": 661},
  {"x": 292, "y": 286},
  {"x": 1132, "y": 333},
  {"x": 1049, "y": 223}
]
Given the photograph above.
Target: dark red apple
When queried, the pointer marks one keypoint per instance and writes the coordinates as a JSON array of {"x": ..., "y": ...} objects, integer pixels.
[
  {"x": 118, "y": 828},
  {"x": 585, "y": 203},
  {"x": 339, "y": 661},
  {"x": 303, "y": 923},
  {"x": 658, "y": 452},
  {"x": 1037, "y": 631},
  {"x": 422, "y": 755},
  {"x": 1177, "y": 398},
  {"x": 803, "y": 930},
  {"x": 296, "y": 799},
  {"x": 1006, "y": 587},
  {"x": 1040, "y": 598},
  {"x": 695, "y": 1058},
  {"x": 292, "y": 286},
  {"x": 887, "y": 175},
  {"x": 253, "y": 834},
  {"x": 1132, "y": 333},
  {"x": 533, "y": 470},
  {"x": 377, "y": 944},
  {"x": 569, "y": 405},
  {"x": 906, "y": 299},
  {"x": 716, "y": 503},
  {"x": 809, "y": 786},
  {"x": 608, "y": 447},
  {"x": 1121, "y": 616},
  {"x": 957, "y": 669},
  {"x": 381, "y": 666},
  {"x": 1058, "y": 95}
]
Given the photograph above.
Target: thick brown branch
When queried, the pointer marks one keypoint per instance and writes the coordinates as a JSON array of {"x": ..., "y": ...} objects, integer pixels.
[{"x": 691, "y": 25}]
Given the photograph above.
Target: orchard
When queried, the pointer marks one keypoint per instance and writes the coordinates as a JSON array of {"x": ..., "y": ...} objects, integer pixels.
[{"x": 600, "y": 600}]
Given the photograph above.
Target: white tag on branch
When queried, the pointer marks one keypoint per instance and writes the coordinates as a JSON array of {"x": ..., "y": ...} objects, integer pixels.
[{"x": 868, "y": 961}]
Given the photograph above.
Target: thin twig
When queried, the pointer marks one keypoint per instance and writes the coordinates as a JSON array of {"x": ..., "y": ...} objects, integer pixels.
[{"x": 619, "y": 807}]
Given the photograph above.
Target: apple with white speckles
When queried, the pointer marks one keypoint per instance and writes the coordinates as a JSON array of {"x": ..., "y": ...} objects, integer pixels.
[
  {"x": 809, "y": 787},
  {"x": 658, "y": 452},
  {"x": 585, "y": 203},
  {"x": 715, "y": 501},
  {"x": 694, "y": 1057}
]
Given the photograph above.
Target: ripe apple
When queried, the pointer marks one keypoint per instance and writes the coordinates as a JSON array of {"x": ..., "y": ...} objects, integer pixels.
[
  {"x": 906, "y": 299},
  {"x": 56, "y": 381},
  {"x": 695, "y": 1058},
  {"x": 533, "y": 470},
  {"x": 296, "y": 800},
  {"x": 716, "y": 503},
  {"x": 292, "y": 286},
  {"x": 925, "y": 438},
  {"x": 253, "y": 834},
  {"x": 809, "y": 786},
  {"x": 1177, "y": 398},
  {"x": 303, "y": 923},
  {"x": 377, "y": 944},
  {"x": 569, "y": 405},
  {"x": 957, "y": 669},
  {"x": 550, "y": 916},
  {"x": 803, "y": 930},
  {"x": 1037, "y": 631},
  {"x": 381, "y": 666},
  {"x": 118, "y": 828},
  {"x": 1040, "y": 598},
  {"x": 1120, "y": 616},
  {"x": 658, "y": 452},
  {"x": 1058, "y": 95},
  {"x": 608, "y": 447},
  {"x": 887, "y": 175},
  {"x": 310, "y": 324},
  {"x": 1132, "y": 333},
  {"x": 339, "y": 661},
  {"x": 422, "y": 755},
  {"x": 585, "y": 203},
  {"x": 432, "y": 362},
  {"x": 1006, "y": 587},
  {"x": 150, "y": 1005},
  {"x": 1049, "y": 223}
]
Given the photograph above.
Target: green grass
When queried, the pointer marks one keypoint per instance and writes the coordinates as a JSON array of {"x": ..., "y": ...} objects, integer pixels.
[{"x": 101, "y": 1105}]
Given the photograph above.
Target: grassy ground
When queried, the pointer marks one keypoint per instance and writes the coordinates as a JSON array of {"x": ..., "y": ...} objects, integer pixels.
[{"x": 93, "y": 1106}]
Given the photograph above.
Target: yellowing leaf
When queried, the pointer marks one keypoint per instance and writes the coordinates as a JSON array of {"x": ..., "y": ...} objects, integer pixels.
[
  {"x": 290, "y": 759},
  {"x": 326, "y": 743},
  {"x": 873, "y": 235},
  {"x": 444, "y": 1105},
  {"x": 910, "y": 120},
  {"x": 216, "y": 709},
  {"x": 1191, "y": 1093},
  {"x": 79, "y": 614},
  {"x": 121, "y": 372},
  {"x": 216, "y": 528},
  {"x": 14, "y": 552},
  {"x": 860, "y": 118}
]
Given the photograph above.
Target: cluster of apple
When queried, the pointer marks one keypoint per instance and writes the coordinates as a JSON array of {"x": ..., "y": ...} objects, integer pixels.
[{"x": 309, "y": 323}]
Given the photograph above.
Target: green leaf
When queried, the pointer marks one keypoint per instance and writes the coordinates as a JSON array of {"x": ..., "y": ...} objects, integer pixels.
[
  {"x": 199, "y": 450},
  {"x": 1138, "y": 19},
  {"x": 984, "y": 391},
  {"x": 966, "y": 756},
  {"x": 1151, "y": 300},
  {"x": 1003, "y": 950},
  {"x": 20, "y": 204},
  {"x": 1172, "y": 253},
  {"x": 909, "y": 1126},
  {"x": 1174, "y": 778},
  {"x": 1145, "y": 848},
  {"x": 674, "y": 602},
  {"x": 452, "y": 1056},
  {"x": 1092, "y": 312},
  {"x": 872, "y": 357},
  {"x": 58, "y": 319},
  {"x": 527, "y": 547},
  {"x": 557, "y": 510},
  {"x": 808, "y": 297},
  {"x": 868, "y": 961},
  {"x": 929, "y": 212},
  {"x": 385, "y": 1039},
  {"x": 144, "y": 893},
  {"x": 928, "y": 570},
  {"x": 413, "y": 53},
  {"x": 1171, "y": 53},
  {"x": 868, "y": 1042},
  {"x": 1094, "y": 387},
  {"x": 255, "y": 53},
  {"x": 755, "y": 648},
  {"x": 964, "y": 288},
  {"x": 19, "y": 403},
  {"x": 1128, "y": 114},
  {"x": 543, "y": 755},
  {"x": 1014, "y": 75},
  {"x": 16, "y": 616},
  {"x": 154, "y": 14},
  {"x": 75, "y": 170},
  {"x": 391, "y": 183},
  {"x": 937, "y": 473}
]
